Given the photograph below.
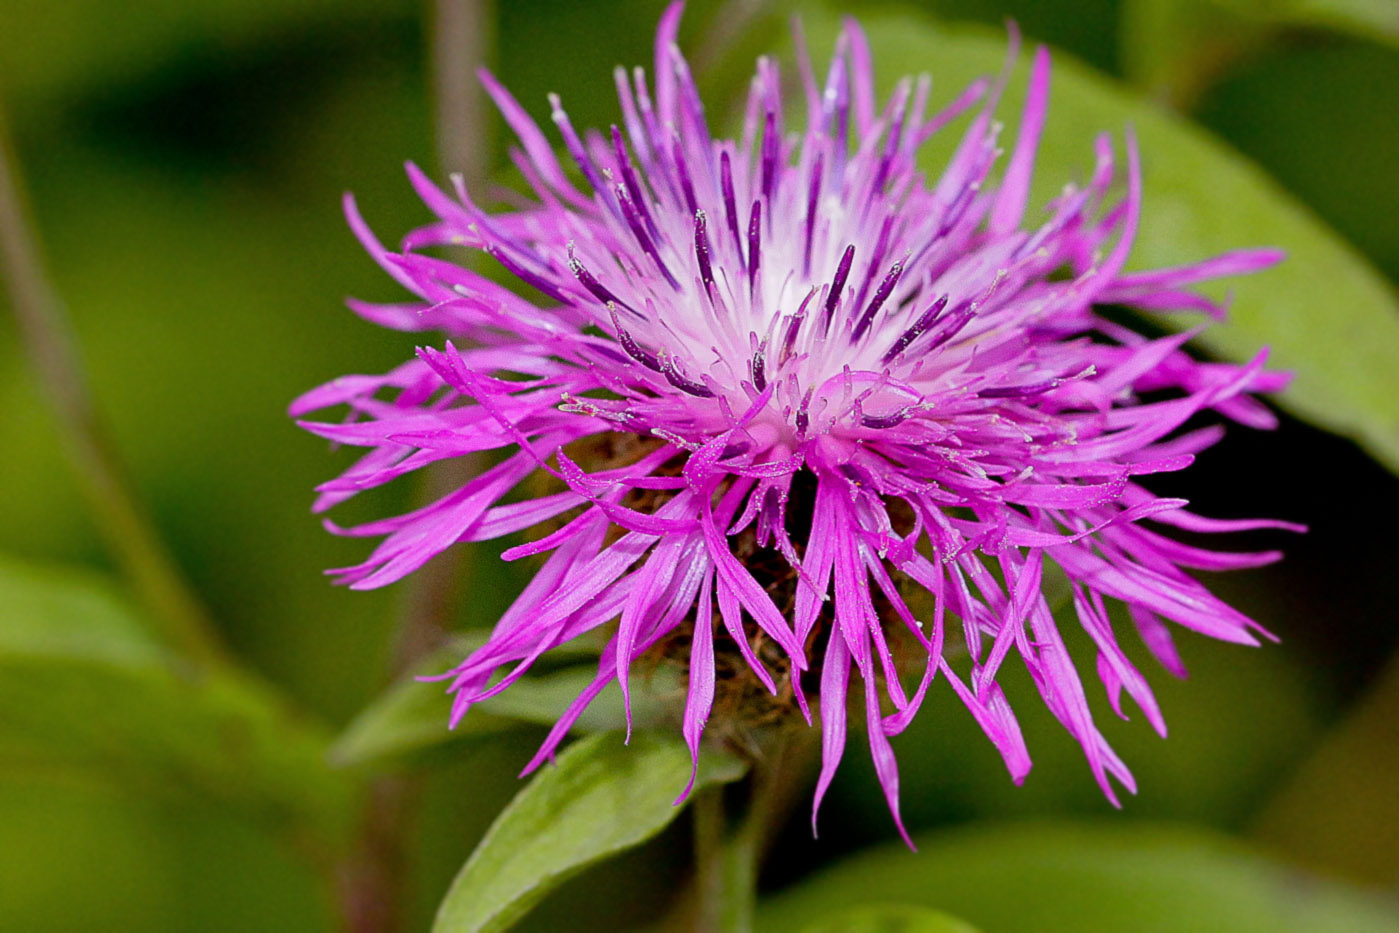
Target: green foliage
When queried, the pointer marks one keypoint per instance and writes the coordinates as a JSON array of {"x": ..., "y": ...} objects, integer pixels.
[
  {"x": 85, "y": 692},
  {"x": 79, "y": 43},
  {"x": 886, "y": 918},
  {"x": 1175, "y": 47},
  {"x": 1325, "y": 313},
  {"x": 1288, "y": 97},
  {"x": 410, "y": 718},
  {"x": 600, "y": 798},
  {"x": 1085, "y": 879},
  {"x": 186, "y": 162}
]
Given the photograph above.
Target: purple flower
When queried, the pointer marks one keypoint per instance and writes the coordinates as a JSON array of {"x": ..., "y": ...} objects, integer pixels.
[{"x": 810, "y": 421}]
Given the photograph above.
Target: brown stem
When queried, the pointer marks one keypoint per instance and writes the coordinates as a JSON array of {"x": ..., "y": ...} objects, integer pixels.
[
  {"x": 728, "y": 859},
  {"x": 710, "y": 829},
  {"x": 50, "y": 347},
  {"x": 461, "y": 34},
  {"x": 371, "y": 882}
]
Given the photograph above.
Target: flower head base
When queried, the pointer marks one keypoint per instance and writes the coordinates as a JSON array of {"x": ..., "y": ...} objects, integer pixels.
[{"x": 823, "y": 386}]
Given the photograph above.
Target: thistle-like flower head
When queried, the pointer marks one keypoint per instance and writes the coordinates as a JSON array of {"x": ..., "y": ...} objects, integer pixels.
[{"x": 812, "y": 421}]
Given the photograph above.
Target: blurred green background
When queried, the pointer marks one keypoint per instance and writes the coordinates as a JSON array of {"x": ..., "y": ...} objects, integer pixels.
[{"x": 185, "y": 161}]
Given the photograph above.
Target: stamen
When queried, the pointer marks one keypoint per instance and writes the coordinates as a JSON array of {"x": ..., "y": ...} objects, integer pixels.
[
  {"x": 634, "y": 349},
  {"x": 726, "y": 182},
  {"x": 702, "y": 254},
  {"x": 594, "y": 287},
  {"x": 813, "y": 193},
  {"x": 678, "y": 379},
  {"x": 924, "y": 321},
  {"x": 837, "y": 286},
  {"x": 633, "y": 220},
  {"x": 755, "y": 238},
  {"x": 677, "y": 151},
  {"x": 882, "y": 295},
  {"x": 759, "y": 366},
  {"x": 624, "y": 165},
  {"x": 771, "y": 145}
]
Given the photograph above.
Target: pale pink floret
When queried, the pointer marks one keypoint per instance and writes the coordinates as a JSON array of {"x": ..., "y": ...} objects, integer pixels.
[{"x": 803, "y": 301}]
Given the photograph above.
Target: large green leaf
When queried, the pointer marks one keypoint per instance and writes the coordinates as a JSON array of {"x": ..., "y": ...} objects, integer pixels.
[
  {"x": 600, "y": 798},
  {"x": 77, "y": 43},
  {"x": 885, "y": 918},
  {"x": 1326, "y": 314},
  {"x": 1176, "y": 48},
  {"x": 1356, "y": 831},
  {"x": 409, "y": 720},
  {"x": 85, "y": 692},
  {"x": 1085, "y": 879}
]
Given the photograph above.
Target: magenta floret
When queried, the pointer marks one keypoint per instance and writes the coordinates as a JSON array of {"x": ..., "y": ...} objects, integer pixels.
[{"x": 734, "y": 332}]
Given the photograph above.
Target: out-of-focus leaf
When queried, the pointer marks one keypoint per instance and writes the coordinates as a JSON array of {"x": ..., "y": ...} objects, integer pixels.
[
  {"x": 410, "y": 718},
  {"x": 891, "y": 918},
  {"x": 1325, "y": 312},
  {"x": 1176, "y": 48},
  {"x": 85, "y": 691},
  {"x": 1368, "y": 19},
  {"x": 1340, "y": 811},
  {"x": 600, "y": 798},
  {"x": 1086, "y": 879},
  {"x": 69, "y": 43},
  {"x": 1301, "y": 109}
]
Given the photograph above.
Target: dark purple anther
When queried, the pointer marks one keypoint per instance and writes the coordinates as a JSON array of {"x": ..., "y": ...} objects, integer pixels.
[
  {"x": 595, "y": 288},
  {"x": 677, "y": 151},
  {"x": 677, "y": 379},
  {"x": 1034, "y": 388},
  {"x": 952, "y": 324},
  {"x": 702, "y": 253},
  {"x": 634, "y": 350},
  {"x": 771, "y": 145},
  {"x": 886, "y": 288},
  {"x": 887, "y": 421},
  {"x": 803, "y": 419},
  {"x": 624, "y": 165},
  {"x": 760, "y": 379},
  {"x": 726, "y": 182},
  {"x": 813, "y": 194},
  {"x": 755, "y": 243},
  {"x": 924, "y": 321},
  {"x": 643, "y": 240},
  {"x": 793, "y": 326},
  {"x": 837, "y": 286}
]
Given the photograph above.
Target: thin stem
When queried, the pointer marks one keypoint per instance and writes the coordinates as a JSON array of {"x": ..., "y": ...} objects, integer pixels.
[
  {"x": 710, "y": 876},
  {"x": 727, "y": 860},
  {"x": 49, "y": 344},
  {"x": 371, "y": 882},
  {"x": 461, "y": 33}
]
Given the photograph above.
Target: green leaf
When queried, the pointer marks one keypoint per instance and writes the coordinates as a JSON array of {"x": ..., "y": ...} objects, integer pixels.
[
  {"x": 1325, "y": 312},
  {"x": 79, "y": 43},
  {"x": 410, "y": 719},
  {"x": 891, "y": 918},
  {"x": 1178, "y": 48},
  {"x": 600, "y": 798},
  {"x": 1085, "y": 879},
  {"x": 1368, "y": 19},
  {"x": 85, "y": 692},
  {"x": 1353, "y": 772}
]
